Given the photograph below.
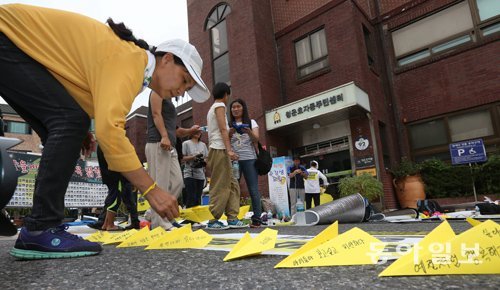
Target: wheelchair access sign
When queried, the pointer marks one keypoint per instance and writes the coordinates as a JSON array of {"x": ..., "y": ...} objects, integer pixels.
[{"x": 471, "y": 151}]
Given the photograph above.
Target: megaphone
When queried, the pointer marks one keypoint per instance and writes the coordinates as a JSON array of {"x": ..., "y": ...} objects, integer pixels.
[{"x": 8, "y": 184}]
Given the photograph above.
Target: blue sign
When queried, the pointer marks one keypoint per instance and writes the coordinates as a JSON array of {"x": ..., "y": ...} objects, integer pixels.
[{"x": 471, "y": 151}]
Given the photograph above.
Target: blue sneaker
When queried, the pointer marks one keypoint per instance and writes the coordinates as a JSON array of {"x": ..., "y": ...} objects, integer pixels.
[
  {"x": 237, "y": 224},
  {"x": 216, "y": 225},
  {"x": 54, "y": 243}
]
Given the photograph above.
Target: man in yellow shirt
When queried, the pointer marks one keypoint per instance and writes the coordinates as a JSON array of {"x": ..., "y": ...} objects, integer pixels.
[{"x": 59, "y": 69}]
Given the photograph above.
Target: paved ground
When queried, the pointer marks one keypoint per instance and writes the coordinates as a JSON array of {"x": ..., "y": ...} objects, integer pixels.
[{"x": 132, "y": 268}]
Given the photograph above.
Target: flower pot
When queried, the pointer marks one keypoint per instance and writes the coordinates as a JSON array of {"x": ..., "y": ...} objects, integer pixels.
[{"x": 409, "y": 190}]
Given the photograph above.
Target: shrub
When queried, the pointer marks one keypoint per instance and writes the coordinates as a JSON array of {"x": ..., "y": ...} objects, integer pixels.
[
  {"x": 365, "y": 184},
  {"x": 444, "y": 180},
  {"x": 405, "y": 168}
]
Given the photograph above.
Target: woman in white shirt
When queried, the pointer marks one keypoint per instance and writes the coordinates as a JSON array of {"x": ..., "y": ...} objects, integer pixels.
[
  {"x": 311, "y": 184},
  {"x": 244, "y": 134}
]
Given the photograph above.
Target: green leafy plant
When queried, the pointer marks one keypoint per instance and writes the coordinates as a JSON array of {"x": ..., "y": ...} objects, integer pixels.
[
  {"x": 365, "y": 184},
  {"x": 444, "y": 180},
  {"x": 488, "y": 180},
  {"x": 405, "y": 168}
]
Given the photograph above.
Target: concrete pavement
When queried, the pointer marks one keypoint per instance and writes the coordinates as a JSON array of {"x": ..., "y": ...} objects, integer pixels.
[{"x": 134, "y": 268}]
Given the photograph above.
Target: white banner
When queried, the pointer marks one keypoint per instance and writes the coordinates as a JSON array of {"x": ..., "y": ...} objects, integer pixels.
[{"x": 278, "y": 190}]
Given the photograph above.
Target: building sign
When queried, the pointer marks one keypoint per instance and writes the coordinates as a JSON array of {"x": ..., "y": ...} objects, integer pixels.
[
  {"x": 365, "y": 161},
  {"x": 361, "y": 143},
  {"x": 84, "y": 190},
  {"x": 372, "y": 171},
  {"x": 470, "y": 151},
  {"x": 329, "y": 101}
]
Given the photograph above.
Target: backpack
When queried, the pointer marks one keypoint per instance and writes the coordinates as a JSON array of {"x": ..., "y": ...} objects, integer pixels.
[
  {"x": 428, "y": 207},
  {"x": 264, "y": 161}
]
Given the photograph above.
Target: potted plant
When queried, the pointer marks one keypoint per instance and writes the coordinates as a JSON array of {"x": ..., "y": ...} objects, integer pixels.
[
  {"x": 408, "y": 183},
  {"x": 364, "y": 184}
]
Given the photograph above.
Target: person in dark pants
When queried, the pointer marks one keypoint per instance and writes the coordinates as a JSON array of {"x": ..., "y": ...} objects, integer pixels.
[
  {"x": 297, "y": 173},
  {"x": 59, "y": 69},
  {"x": 119, "y": 189},
  {"x": 195, "y": 153}
]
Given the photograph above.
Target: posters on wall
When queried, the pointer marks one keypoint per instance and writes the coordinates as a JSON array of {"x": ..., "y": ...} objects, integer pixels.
[{"x": 84, "y": 190}]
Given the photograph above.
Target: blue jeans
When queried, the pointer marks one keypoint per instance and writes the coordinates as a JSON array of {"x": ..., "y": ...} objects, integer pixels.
[
  {"x": 248, "y": 170},
  {"x": 56, "y": 117}
]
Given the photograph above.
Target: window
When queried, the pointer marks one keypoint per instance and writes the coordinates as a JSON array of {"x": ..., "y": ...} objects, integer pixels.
[
  {"x": 216, "y": 24},
  {"x": 470, "y": 126},
  {"x": 311, "y": 53},
  {"x": 428, "y": 134},
  {"x": 446, "y": 30},
  {"x": 489, "y": 12},
  {"x": 488, "y": 9},
  {"x": 370, "y": 47},
  {"x": 16, "y": 127},
  {"x": 430, "y": 139},
  {"x": 438, "y": 32}
]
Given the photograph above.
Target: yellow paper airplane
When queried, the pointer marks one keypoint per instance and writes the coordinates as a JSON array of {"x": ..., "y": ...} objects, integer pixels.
[
  {"x": 243, "y": 211},
  {"x": 241, "y": 215},
  {"x": 118, "y": 238},
  {"x": 354, "y": 247},
  {"x": 193, "y": 240},
  {"x": 475, "y": 251},
  {"x": 98, "y": 236},
  {"x": 203, "y": 213},
  {"x": 190, "y": 215},
  {"x": 472, "y": 221},
  {"x": 327, "y": 234},
  {"x": 440, "y": 235},
  {"x": 248, "y": 246},
  {"x": 324, "y": 198},
  {"x": 137, "y": 239},
  {"x": 167, "y": 240}
]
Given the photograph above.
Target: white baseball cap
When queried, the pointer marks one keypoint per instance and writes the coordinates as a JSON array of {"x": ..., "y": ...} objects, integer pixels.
[{"x": 193, "y": 62}]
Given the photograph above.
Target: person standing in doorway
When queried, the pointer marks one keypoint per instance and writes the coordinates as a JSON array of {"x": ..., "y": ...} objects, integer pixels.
[
  {"x": 312, "y": 186},
  {"x": 297, "y": 174},
  {"x": 244, "y": 134}
]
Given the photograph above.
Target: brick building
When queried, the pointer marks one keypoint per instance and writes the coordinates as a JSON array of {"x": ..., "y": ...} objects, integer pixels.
[
  {"x": 15, "y": 127},
  {"x": 356, "y": 84}
]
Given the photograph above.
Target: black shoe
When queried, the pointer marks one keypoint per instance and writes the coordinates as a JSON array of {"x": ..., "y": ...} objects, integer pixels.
[
  {"x": 54, "y": 243},
  {"x": 96, "y": 225},
  {"x": 134, "y": 225}
]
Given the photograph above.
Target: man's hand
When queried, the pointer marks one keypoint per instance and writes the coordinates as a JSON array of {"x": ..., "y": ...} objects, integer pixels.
[
  {"x": 165, "y": 143},
  {"x": 88, "y": 145},
  {"x": 194, "y": 129},
  {"x": 163, "y": 203}
]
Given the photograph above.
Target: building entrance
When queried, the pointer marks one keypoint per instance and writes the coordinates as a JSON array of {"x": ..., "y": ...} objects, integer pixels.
[{"x": 333, "y": 157}]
